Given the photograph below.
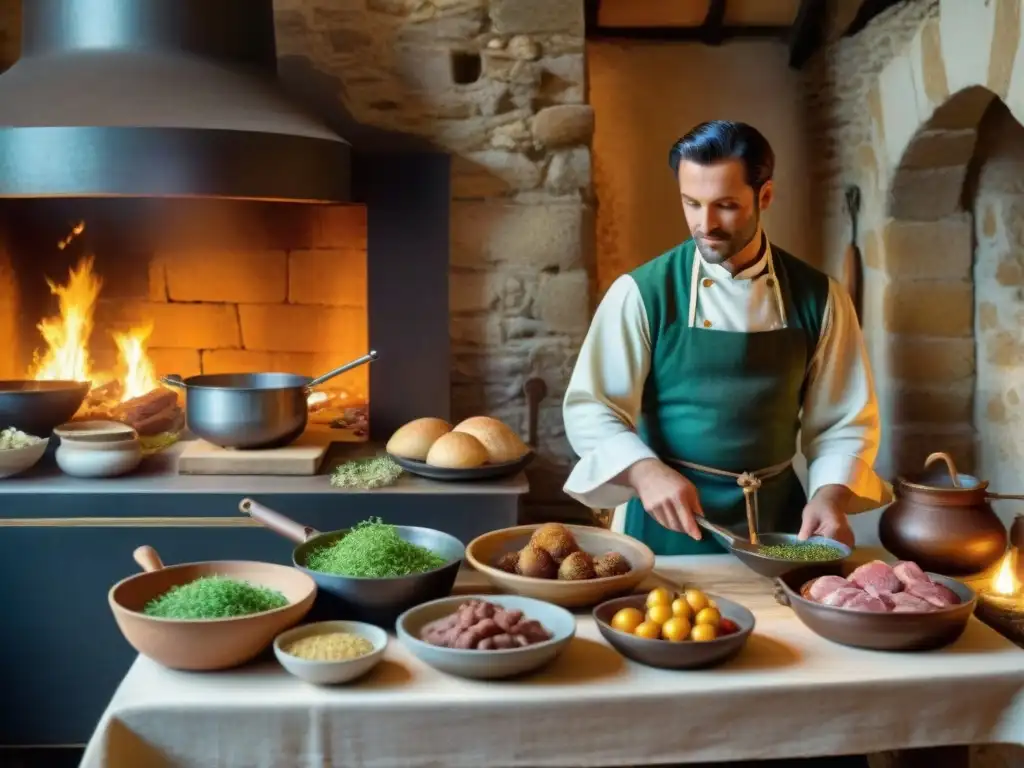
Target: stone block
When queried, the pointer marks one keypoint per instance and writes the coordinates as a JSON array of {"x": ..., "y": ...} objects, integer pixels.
[
  {"x": 493, "y": 173},
  {"x": 303, "y": 328},
  {"x": 564, "y": 125},
  {"x": 177, "y": 326},
  {"x": 930, "y": 360},
  {"x": 929, "y": 308},
  {"x": 471, "y": 292},
  {"x": 226, "y": 276},
  {"x": 563, "y": 79},
  {"x": 569, "y": 172},
  {"x": 340, "y": 226},
  {"x": 1002, "y": 349},
  {"x": 248, "y": 361},
  {"x": 563, "y": 302},
  {"x": 951, "y": 404},
  {"x": 477, "y": 330},
  {"x": 184, "y": 362},
  {"x": 532, "y": 237},
  {"x": 929, "y": 250},
  {"x": 511, "y": 17},
  {"x": 940, "y": 149},
  {"x": 912, "y": 444},
  {"x": 926, "y": 194},
  {"x": 334, "y": 277}
]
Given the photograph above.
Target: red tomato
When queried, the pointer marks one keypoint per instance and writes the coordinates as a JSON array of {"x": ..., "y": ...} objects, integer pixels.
[{"x": 727, "y": 627}]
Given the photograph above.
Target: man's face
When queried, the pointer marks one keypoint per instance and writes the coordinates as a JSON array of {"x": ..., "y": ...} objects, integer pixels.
[{"x": 721, "y": 209}]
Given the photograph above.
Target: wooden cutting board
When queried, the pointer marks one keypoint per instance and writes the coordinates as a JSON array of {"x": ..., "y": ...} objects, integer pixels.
[{"x": 303, "y": 457}]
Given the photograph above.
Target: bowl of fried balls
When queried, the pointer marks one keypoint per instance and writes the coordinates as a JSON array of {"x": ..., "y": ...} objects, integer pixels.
[
  {"x": 486, "y": 637},
  {"x": 574, "y": 566},
  {"x": 690, "y": 629}
]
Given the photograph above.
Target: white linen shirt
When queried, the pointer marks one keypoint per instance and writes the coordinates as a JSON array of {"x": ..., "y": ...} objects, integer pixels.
[{"x": 840, "y": 428}]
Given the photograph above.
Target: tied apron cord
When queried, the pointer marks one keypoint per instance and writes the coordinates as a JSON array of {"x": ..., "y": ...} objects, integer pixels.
[{"x": 750, "y": 482}]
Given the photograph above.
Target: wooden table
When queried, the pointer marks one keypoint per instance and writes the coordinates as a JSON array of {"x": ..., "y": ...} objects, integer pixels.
[{"x": 790, "y": 693}]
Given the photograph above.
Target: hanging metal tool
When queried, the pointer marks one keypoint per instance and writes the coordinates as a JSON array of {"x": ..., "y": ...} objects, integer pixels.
[{"x": 852, "y": 276}]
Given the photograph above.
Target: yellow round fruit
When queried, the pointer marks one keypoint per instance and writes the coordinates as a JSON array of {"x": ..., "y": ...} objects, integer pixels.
[
  {"x": 659, "y": 596},
  {"x": 681, "y": 608},
  {"x": 712, "y": 603},
  {"x": 648, "y": 629},
  {"x": 627, "y": 619},
  {"x": 659, "y": 614},
  {"x": 709, "y": 617},
  {"x": 676, "y": 629},
  {"x": 698, "y": 600},
  {"x": 702, "y": 633}
]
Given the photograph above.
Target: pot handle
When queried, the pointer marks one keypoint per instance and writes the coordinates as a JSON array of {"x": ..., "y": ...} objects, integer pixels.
[
  {"x": 277, "y": 522},
  {"x": 147, "y": 558},
  {"x": 779, "y": 593},
  {"x": 367, "y": 358},
  {"x": 1005, "y": 496},
  {"x": 950, "y": 466},
  {"x": 172, "y": 380}
]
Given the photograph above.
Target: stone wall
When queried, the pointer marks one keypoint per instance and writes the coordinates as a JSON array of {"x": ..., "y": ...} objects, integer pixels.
[
  {"x": 501, "y": 85},
  {"x": 998, "y": 202}
]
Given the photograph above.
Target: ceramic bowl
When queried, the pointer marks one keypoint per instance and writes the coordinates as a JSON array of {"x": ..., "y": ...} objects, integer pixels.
[
  {"x": 14, "y": 461},
  {"x": 93, "y": 449},
  {"x": 485, "y": 550},
  {"x": 487, "y": 665},
  {"x": 331, "y": 672},
  {"x": 669, "y": 655}
]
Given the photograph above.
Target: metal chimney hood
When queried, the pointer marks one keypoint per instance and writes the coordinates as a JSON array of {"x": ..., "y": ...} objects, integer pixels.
[{"x": 154, "y": 98}]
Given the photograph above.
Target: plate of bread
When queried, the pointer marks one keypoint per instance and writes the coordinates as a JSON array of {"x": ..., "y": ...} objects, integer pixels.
[{"x": 479, "y": 448}]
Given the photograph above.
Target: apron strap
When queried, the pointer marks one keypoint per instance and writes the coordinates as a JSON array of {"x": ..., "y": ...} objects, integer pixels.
[{"x": 750, "y": 482}]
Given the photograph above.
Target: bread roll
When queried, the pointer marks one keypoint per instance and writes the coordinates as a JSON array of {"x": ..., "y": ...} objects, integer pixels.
[
  {"x": 413, "y": 440},
  {"x": 502, "y": 444},
  {"x": 457, "y": 450}
]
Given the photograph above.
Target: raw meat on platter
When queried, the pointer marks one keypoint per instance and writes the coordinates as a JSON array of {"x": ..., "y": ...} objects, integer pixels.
[{"x": 880, "y": 588}]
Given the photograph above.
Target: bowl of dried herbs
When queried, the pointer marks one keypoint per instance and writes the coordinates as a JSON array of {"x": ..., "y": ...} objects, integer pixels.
[{"x": 208, "y": 615}]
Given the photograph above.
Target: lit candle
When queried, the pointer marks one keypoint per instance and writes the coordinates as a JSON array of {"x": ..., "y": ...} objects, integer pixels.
[{"x": 1005, "y": 590}]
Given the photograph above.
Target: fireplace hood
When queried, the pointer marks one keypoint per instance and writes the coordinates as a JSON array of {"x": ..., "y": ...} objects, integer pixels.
[{"x": 154, "y": 98}]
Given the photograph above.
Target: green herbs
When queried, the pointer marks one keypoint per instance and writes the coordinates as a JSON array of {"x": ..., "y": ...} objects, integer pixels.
[
  {"x": 214, "y": 597},
  {"x": 805, "y": 552},
  {"x": 373, "y": 550},
  {"x": 366, "y": 474}
]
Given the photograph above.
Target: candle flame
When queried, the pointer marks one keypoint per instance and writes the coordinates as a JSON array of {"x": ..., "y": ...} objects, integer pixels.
[{"x": 1005, "y": 581}]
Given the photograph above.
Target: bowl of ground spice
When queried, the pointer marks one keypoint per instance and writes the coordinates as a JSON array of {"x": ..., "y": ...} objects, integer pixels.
[
  {"x": 208, "y": 615},
  {"x": 331, "y": 652}
]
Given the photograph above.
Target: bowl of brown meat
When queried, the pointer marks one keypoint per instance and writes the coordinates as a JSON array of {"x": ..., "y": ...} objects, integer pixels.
[
  {"x": 878, "y": 606},
  {"x": 573, "y": 566},
  {"x": 486, "y": 637}
]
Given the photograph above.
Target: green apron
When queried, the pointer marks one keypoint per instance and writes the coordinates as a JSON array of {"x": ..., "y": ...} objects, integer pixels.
[{"x": 723, "y": 400}]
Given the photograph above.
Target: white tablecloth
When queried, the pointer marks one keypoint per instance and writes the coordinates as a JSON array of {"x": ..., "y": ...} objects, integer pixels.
[{"x": 790, "y": 693}]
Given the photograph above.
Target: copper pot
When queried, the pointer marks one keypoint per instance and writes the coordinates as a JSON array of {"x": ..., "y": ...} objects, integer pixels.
[{"x": 945, "y": 525}]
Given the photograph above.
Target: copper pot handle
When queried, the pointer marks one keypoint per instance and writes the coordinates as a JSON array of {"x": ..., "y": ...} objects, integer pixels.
[
  {"x": 950, "y": 465},
  {"x": 1005, "y": 496}
]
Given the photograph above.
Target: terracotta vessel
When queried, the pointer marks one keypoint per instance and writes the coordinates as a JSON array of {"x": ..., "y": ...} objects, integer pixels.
[{"x": 945, "y": 524}]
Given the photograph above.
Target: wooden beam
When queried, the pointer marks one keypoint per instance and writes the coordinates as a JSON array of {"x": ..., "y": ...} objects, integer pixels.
[
  {"x": 808, "y": 32},
  {"x": 714, "y": 22},
  {"x": 652, "y": 13}
]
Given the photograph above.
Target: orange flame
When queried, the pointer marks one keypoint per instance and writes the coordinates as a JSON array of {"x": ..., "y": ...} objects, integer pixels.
[
  {"x": 1005, "y": 581},
  {"x": 67, "y": 337}
]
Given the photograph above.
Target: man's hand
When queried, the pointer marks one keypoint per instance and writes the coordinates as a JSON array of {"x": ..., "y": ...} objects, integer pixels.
[
  {"x": 825, "y": 515},
  {"x": 667, "y": 496}
]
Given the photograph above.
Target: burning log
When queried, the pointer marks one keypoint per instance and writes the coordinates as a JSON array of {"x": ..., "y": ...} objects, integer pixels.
[{"x": 152, "y": 413}]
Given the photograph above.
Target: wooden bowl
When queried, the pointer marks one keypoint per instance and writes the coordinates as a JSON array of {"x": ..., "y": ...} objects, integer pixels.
[
  {"x": 668, "y": 655},
  {"x": 485, "y": 550},
  {"x": 206, "y": 644}
]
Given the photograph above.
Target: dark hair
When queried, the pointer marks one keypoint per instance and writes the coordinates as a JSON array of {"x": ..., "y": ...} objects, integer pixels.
[{"x": 725, "y": 140}]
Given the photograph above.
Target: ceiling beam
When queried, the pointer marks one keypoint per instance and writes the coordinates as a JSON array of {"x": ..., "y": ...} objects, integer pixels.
[
  {"x": 808, "y": 31},
  {"x": 713, "y": 24}
]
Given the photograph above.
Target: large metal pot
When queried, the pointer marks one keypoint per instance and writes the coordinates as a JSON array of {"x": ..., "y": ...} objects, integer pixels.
[
  {"x": 944, "y": 523},
  {"x": 251, "y": 410}
]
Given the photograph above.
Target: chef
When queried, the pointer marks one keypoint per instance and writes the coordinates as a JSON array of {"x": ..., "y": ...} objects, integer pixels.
[{"x": 703, "y": 366}]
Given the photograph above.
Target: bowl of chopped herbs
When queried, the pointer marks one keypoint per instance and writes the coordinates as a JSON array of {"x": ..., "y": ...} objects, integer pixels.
[
  {"x": 208, "y": 615},
  {"x": 372, "y": 572},
  {"x": 776, "y": 554}
]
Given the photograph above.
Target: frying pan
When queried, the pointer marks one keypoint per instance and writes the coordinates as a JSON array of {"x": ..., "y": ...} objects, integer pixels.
[
  {"x": 875, "y": 631},
  {"x": 36, "y": 407},
  {"x": 205, "y": 644},
  {"x": 375, "y": 601}
]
